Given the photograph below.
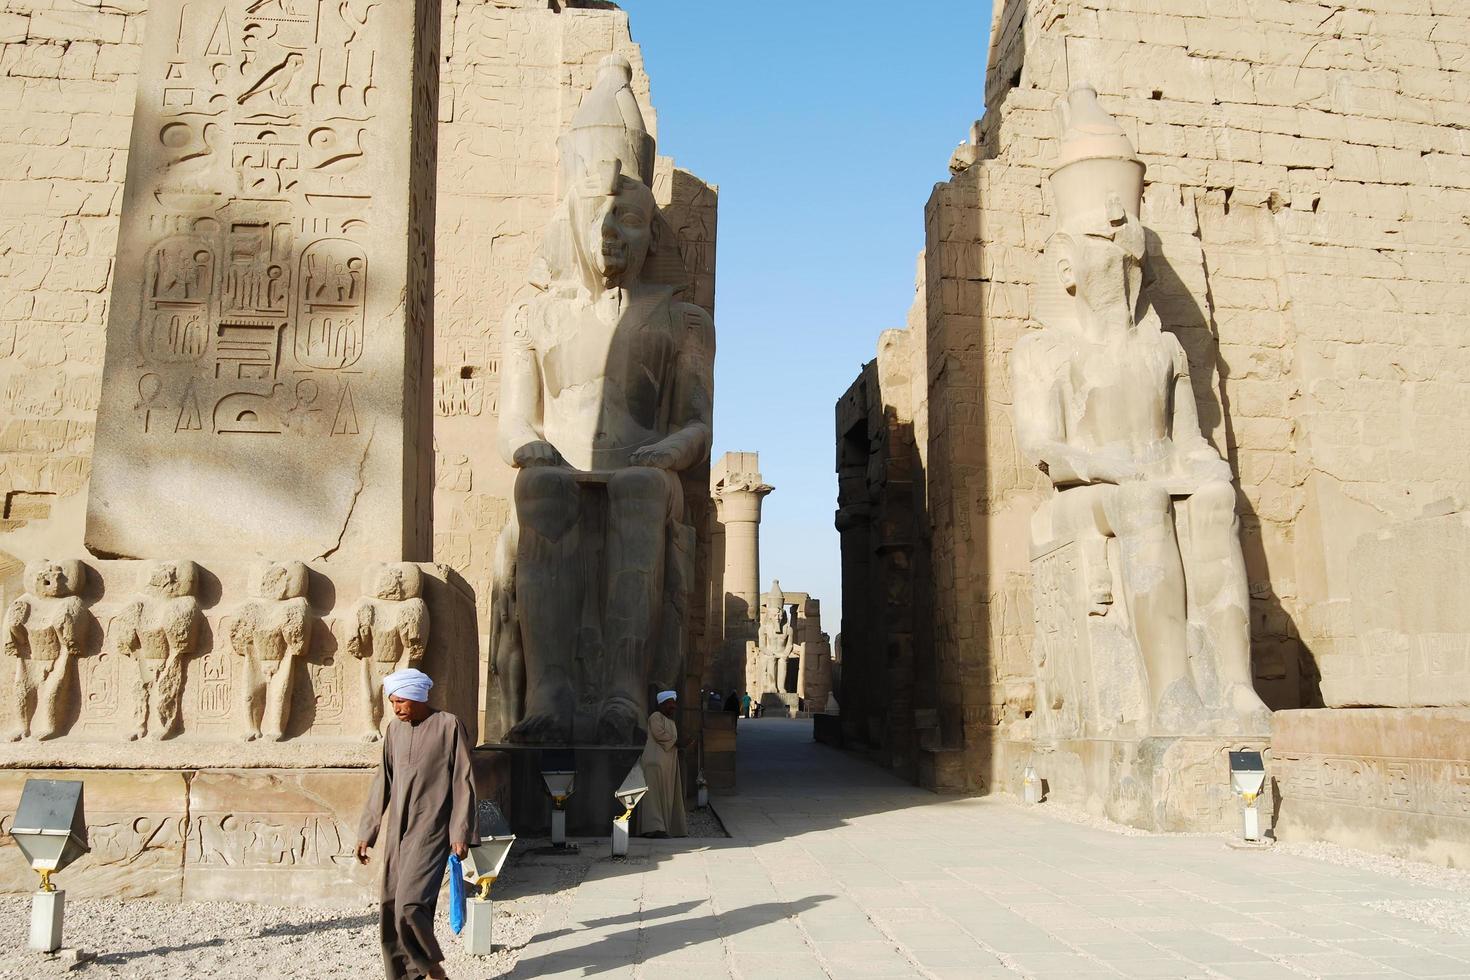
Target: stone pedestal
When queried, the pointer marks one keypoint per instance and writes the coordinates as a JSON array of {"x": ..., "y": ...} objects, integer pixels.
[
  {"x": 591, "y": 808},
  {"x": 274, "y": 836},
  {"x": 1179, "y": 783},
  {"x": 479, "y": 927},
  {"x": 47, "y": 911},
  {"x": 1391, "y": 780}
]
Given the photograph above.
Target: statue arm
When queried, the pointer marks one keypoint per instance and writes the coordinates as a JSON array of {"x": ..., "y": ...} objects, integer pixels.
[
  {"x": 15, "y": 638},
  {"x": 1190, "y": 444},
  {"x": 1040, "y": 425},
  {"x": 690, "y": 426},
  {"x": 520, "y": 395}
]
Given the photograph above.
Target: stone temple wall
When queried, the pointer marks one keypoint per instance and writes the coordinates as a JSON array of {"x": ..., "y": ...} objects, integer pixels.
[
  {"x": 513, "y": 74},
  {"x": 1309, "y": 199}
]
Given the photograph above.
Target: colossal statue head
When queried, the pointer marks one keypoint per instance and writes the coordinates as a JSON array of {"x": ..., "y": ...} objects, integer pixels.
[
  {"x": 609, "y": 231},
  {"x": 1096, "y": 254}
]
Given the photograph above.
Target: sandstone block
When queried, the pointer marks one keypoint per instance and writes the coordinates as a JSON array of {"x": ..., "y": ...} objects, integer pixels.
[{"x": 1395, "y": 781}]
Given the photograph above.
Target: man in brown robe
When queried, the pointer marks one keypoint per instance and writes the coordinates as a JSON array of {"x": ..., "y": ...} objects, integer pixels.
[
  {"x": 662, "y": 813},
  {"x": 425, "y": 786}
]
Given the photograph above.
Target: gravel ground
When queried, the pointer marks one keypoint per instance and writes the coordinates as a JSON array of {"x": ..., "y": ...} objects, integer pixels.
[{"x": 162, "y": 941}]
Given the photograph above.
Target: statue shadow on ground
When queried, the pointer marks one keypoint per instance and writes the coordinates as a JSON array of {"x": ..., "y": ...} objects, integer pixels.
[{"x": 609, "y": 953}]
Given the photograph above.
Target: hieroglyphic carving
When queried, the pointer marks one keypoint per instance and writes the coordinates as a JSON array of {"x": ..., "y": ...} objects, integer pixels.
[
  {"x": 266, "y": 840},
  {"x": 1440, "y": 787},
  {"x": 269, "y": 175}
]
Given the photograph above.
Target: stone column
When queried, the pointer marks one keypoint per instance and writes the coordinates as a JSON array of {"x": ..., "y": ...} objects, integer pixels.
[
  {"x": 738, "y": 492},
  {"x": 264, "y": 390}
]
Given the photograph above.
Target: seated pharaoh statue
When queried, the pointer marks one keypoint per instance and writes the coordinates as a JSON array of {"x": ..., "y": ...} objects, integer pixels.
[
  {"x": 1105, "y": 406},
  {"x": 605, "y": 400}
]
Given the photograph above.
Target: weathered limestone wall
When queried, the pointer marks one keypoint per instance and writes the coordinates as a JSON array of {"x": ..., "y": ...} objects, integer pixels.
[
  {"x": 512, "y": 76},
  {"x": 1308, "y": 200}
]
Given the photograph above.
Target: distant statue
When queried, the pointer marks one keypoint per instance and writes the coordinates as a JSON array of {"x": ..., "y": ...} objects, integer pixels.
[
  {"x": 775, "y": 633},
  {"x": 1104, "y": 405},
  {"x": 390, "y": 632},
  {"x": 271, "y": 632},
  {"x": 159, "y": 628},
  {"x": 605, "y": 399},
  {"x": 45, "y": 631}
]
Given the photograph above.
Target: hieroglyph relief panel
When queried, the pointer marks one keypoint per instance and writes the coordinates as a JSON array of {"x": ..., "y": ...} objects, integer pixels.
[{"x": 265, "y": 316}]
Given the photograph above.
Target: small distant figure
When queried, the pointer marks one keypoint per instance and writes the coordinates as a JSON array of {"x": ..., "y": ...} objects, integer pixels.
[
  {"x": 424, "y": 784},
  {"x": 714, "y": 700},
  {"x": 732, "y": 703},
  {"x": 661, "y": 813},
  {"x": 745, "y": 705}
]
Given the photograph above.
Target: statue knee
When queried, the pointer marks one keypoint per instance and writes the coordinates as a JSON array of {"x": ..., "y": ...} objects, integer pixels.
[
  {"x": 1139, "y": 507},
  {"x": 547, "y": 500},
  {"x": 643, "y": 487},
  {"x": 1213, "y": 505}
]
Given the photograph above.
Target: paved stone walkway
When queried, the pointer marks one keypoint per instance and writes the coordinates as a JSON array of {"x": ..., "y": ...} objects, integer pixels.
[{"x": 836, "y": 869}]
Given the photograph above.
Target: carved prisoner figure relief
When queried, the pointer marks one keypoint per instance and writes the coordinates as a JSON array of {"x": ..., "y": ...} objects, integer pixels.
[
  {"x": 272, "y": 632},
  {"x": 391, "y": 633},
  {"x": 45, "y": 632},
  {"x": 265, "y": 222},
  {"x": 159, "y": 628}
]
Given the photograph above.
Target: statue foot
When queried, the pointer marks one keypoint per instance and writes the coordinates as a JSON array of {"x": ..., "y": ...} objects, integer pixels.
[
  {"x": 619, "y": 723},
  {"x": 14, "y": 735},
  {"x": 1179, "y": 711},
  {"x": 1254, "y": 716},
  {"x": 45, "y": 736},
  {"x": 541, "y": 729},
  {"x": 251, "y": 736},
  {"x": 373, "y": 736}
]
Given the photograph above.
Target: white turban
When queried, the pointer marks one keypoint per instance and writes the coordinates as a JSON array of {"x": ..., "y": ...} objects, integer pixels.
[
  {"x": 410, "y": 684},
  {"x": 667, "y": 696}
]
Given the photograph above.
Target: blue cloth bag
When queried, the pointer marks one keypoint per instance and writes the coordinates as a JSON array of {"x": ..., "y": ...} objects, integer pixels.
[{"x": 456, "y": 894}]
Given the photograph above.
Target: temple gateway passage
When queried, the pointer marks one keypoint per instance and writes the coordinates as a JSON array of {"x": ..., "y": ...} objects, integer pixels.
[{"x": 344, "y": 338}]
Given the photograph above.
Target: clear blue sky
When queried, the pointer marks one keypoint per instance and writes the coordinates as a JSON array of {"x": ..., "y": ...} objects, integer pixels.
[{"x": 826, "y": 126}]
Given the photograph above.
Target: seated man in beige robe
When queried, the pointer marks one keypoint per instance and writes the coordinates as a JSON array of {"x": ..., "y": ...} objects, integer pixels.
[
  {"x": 662, "y": 814},
  {"x": 421, "y": 807}
]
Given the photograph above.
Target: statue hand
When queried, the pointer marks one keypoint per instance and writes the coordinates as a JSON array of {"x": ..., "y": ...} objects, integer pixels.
[
  {"x": 537, "y": 453},
  {"x": 658, "y": 456}
]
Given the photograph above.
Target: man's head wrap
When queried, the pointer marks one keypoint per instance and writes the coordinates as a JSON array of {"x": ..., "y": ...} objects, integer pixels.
[
  {"x": 667, "y": 696},
  {"x": 410, "y": 684}
]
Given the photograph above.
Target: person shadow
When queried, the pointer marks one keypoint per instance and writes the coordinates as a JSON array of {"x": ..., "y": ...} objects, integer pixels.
[{"x": 641, "y": 942}]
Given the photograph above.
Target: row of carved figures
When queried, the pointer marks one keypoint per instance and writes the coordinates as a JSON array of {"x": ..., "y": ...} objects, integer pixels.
[{"x": 47, "y": 628}]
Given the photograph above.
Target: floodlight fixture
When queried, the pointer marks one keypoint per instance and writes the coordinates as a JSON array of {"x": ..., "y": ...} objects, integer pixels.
[
  {"x": 559, "y": 773},
  {"x": 1031, "y": 785},
  {"x": 1247, "y": 775},
  {"x": 634, "y": 786},
  {"x": 50, "y": 828},
  {"x": 488, "y": 857}
]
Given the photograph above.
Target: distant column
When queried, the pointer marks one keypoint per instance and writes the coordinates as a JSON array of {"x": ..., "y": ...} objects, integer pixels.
[{"x": 737, "y": 489}]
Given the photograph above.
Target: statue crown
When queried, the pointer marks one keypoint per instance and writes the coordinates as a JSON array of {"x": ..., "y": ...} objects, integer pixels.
[{"x": 1097, "y": 169}]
